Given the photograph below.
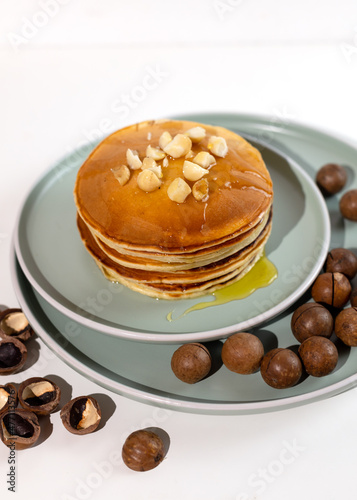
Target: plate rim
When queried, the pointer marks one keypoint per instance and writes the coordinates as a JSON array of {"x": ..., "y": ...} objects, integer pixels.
[{"x": 183, "y": 337}]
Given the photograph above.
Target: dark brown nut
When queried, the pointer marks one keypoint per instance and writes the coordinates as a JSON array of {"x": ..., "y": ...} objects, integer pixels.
[
  {"x": 8, "y": 397},
  {"x": 319, "y": 356},
  {"x": 81, "y": 415},
  {"x": 191, "y": 362},
  {"x": 346, "y": 326},
  {"x": 143, "y": 450},
  {"x": 39, "y": 395},
  {"x": 281, "y": 368},
  {"x": 353, "y": 297},
  {"x": 311, "y": 319},
  {"x": 341, "y": 260},
  {"x": 332, "y": 289},
  {"x": 13, "y": 354},
  {"x": 19, "y": 428},
  {"x": 331, "y": 178},
  {"x": 348, "y": 205},
  {"x": 14, "y": 323},
  {"x": 242, "y": 353}
]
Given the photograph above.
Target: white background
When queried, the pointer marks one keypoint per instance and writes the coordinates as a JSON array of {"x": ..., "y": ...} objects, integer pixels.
[{"x": 74, "y": 70}]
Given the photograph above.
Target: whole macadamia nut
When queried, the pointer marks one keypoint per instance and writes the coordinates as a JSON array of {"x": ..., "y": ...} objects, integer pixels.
[
  {"x": 346, "y": 326},
  {"x": 341, "y": 260},
  {"x": 281, "y": 368},
  {"x": 242, "y": 353},
  {"x": 332, "y": 289},
  {"x": 319, "y": 356},
  {"x": 331, "y": 178},
  {"x": 191, "y": 362},
  {"x": 311, "y": 319},
  {"x": 348, "y": 205},
  {"x": 143, "y": 450}
]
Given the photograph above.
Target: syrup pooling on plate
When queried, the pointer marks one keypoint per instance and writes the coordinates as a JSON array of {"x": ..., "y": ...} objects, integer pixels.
[{"x": 261, "y": 275}]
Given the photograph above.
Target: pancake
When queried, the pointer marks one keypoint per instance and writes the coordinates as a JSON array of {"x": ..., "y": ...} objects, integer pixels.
[{"x": 162, "y": 239}]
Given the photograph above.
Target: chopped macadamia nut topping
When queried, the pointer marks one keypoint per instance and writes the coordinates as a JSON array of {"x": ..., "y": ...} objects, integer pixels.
[
  {"x": 155, "y": 153},
  {"x": 204, "y": 159},
  {"x": 132, "y": 157},
  {"x": 190, "y": 154},
  {"x": 150, "y": 164},
  {"x": 192, "y": 171},
  {"x": 178, "y": 190},
  {"x": 165, "y": 162},
  {"x": 196, "y": 134},
  {"x": 149, "y": 136},
  {"x": 200, "y": 190},
  {"x": 179, "y": 146},
  {"x": 122, "y": 174},
  {"x": 165, "y": 138},
  {"x": 148, "y": 181},
  {"x": 218, "y": 146}
]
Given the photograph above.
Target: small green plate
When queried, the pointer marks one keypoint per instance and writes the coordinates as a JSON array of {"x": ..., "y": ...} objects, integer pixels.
[{"x": 59, "y": 268}]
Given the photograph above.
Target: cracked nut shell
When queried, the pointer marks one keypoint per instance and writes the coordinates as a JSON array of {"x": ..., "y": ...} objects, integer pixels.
[
  {"x": 191, "y": 362},
  {"x": 341, "y": 260},
  {"x": 13, "y": 354},
  {"x": 81, "y": 415},
  {"x": 346, "y": 326},
  {"x": 331, "y": 178},
  {"x": 332, "y": 289},
  {"x": 281, "y": 368},
  {"x": 242, "y": 353},
  {"x": 8, "y": 397},
  {"x": 311, "y": 319},
  {"x": 14, "y": 323},
  {"x": 143, "y": 450},
  {"x": 19, "y": 427},
  {"x": 39, "y": 395},
  {"x": 319, "y": 356}
]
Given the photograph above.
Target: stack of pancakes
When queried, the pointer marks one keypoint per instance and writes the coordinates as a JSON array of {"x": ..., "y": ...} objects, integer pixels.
[{"x": 167, "y": 249}]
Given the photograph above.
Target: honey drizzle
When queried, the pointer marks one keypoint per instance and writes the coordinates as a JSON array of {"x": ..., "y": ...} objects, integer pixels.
[{"x": 260, "y": 276}]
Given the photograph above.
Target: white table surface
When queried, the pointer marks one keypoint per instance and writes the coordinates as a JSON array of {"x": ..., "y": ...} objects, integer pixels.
[{"x": 70, "y": 71}]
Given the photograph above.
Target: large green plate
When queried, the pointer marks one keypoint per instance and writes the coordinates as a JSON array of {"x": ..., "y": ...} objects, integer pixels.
[{"x": 58, "y": 267}]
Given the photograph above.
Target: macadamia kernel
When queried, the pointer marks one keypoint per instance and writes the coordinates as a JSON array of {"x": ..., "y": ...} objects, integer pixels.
[
  {"x": 150, "y": 164},
  {"x": 133, "y": 160},
  {"x": 122, "y": 174},
  {"x": 164, "y": 140},
  {"x": 155, "y": 153},
  {"x": 178, "y": 190},
  {"x": 193, "y": 172},
  {"x": 196, "y": 134},
  {"x": 204, "y": 159},
  {"x": 179, "y": 146},
  {"x": 218, "y": 146},
  {"x": 148, "y": 181},
  {"x": 200, "y": 190}
]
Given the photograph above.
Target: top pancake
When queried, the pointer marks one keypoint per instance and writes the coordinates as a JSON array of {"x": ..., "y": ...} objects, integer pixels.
[{"x": 240, "y": 193}]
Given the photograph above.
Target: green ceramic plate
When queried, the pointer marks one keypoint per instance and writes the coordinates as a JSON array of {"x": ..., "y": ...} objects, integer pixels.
[
  {"x": 58, "y": 267},
  {"x": 142, "y": 371}
]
